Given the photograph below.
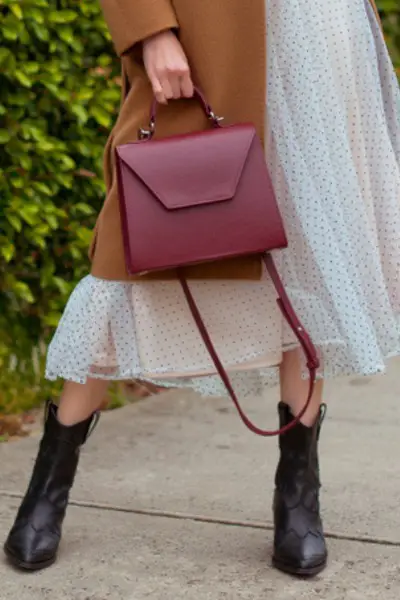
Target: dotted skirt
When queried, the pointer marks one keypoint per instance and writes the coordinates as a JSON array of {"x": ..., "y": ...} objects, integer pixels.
[{"x": 333, "y": 149}]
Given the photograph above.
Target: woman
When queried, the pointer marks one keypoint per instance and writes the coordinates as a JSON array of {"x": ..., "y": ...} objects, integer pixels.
[{"x": 333, "y": 147}]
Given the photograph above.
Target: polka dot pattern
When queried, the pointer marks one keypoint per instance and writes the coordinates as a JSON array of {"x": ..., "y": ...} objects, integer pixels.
[{"x": 333, "y": 148}]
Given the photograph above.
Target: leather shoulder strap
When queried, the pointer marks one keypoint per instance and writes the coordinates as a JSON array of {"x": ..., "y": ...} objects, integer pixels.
[{"x": 297, "y": 328}]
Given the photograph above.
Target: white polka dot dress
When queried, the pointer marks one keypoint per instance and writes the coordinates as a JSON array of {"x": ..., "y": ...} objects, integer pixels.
[{"x": 333, "y": 148}]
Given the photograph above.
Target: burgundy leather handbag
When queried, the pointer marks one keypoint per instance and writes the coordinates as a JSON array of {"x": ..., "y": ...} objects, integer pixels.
[{"x": 205, "y": 196}]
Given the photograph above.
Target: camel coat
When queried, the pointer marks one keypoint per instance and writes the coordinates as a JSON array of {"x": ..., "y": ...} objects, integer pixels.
[{"x": 225, "y": 43}]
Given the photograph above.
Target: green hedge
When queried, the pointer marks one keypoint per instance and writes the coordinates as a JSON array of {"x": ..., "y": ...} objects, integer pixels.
[
  {"x": 390, "y": 10},
  {"x": 59, "y": 93},
  {"x": 58, "y": 96}
]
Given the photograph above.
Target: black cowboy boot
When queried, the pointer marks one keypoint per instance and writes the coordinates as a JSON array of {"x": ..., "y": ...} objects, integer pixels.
[
  {"x": 299, "y": 544},
  {"x": 35, "y": 536}
]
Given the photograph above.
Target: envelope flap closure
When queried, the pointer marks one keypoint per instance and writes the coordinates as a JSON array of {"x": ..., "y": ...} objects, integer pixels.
[{"x": 191, "y": 170}]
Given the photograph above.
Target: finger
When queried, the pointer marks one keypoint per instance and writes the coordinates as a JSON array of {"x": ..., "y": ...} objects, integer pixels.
[
  {"x": 158, "y": 89},
  {"x": 187, "y": 87},
  {"x": 160, "y": 97},
  {"x": 175, "y": 83},
  {"x": 169, "y": 85}
]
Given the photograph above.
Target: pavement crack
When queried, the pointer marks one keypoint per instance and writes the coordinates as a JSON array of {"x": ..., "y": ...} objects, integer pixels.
[{"x": 266, "y": 526}]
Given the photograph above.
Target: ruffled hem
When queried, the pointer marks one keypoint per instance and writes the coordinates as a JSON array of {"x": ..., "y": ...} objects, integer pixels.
[{"x": 91, "y": 343}]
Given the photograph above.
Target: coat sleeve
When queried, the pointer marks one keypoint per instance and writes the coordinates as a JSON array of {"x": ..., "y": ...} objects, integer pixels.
[{"x": 132, "y": 21}]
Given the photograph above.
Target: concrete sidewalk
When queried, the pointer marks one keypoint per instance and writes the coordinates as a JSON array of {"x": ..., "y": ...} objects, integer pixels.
[{"x": 173, "y": 500}]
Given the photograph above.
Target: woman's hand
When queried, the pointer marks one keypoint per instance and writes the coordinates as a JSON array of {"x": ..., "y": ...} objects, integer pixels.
[{"x": 167, "y": 67}]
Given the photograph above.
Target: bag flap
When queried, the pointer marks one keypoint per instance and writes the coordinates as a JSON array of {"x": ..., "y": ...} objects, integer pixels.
[{"x": 191, "y": 170}]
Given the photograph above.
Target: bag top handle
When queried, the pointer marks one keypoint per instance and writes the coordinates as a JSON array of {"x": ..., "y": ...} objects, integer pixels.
[{"x": 147, "y": 134}]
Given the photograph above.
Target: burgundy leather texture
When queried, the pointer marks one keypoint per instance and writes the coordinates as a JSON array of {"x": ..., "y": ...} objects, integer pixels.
[
  {"x": 196, "y": 198},
  {"x": 202, "y": 197}
]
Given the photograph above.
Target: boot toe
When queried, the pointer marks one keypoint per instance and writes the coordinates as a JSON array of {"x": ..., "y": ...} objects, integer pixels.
[
  {"x": 29, "y": 549},
  {"x": 301, "y": 556}
]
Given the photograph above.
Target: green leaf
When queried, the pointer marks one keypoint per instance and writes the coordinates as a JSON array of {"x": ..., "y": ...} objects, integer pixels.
[
  {"x": 85, "y": 94},
  {"x": 80, "y": 113},
  {"x": 16, "y": 114},
  {"x": 18, "y": 99},
  {"x": 23, "y": 78},
  {"x": 26, "y": 162},
  {"x": 76, "y": 253},
  {"x": 11, "y": 28},
  {"x": 4, "y": 136},
  {"x": 15, "y": 222},
  {"x": 101, "y": 116},
  {"x": 62, "y": 16},
  {"x": 28, "y": 217},
  {"x": 42, "y": 188},
  {"x": 51, "y": 319},
  {"x": 84, "y": 235},
  {"x": 42, "y": 3},
  {"x": 22, "y": 290},
  {"x": 32, "y": 12},
  {"x": 31, "y": 67},
  {"x": 17, "y": 11},
  {"x": 24, "y": 37},
  {"x": 66, "y": 34},
  {"x": 7, "y": 251},
  {"x": 18, "y": 182},
  {"x": 45, "y": 145},
  {"x": 83, "y": 208},
  {"x": 68, "y": 162},
  {"x": 65, "y": 180},
  {"x": 5, "y": 54},
  {"x": 62, "y": 285},
  {"x": 41, "y": 32}
]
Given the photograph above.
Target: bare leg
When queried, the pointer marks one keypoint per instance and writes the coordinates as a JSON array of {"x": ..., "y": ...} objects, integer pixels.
[
  {"x": 78, "y": 402},
  {"x": 294, "y": 389}
]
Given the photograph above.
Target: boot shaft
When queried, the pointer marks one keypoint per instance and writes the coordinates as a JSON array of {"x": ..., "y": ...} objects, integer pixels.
[
  {"x": 57, "y": 460},
  {"x": 298, "y": 448},
  {"x": 299, "y": 544},
  {"x": 34, "y": 538}
]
